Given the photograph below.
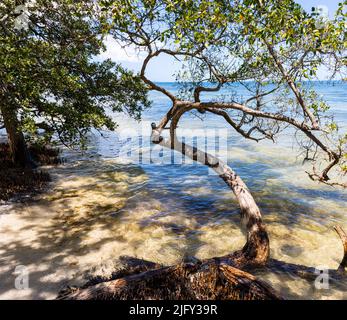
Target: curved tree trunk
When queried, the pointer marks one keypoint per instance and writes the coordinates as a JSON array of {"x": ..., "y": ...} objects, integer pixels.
[
  {"x": 215, "y": 278},
  {"x": 19, "y": 152},
  {"x": 257, "y": 248}
]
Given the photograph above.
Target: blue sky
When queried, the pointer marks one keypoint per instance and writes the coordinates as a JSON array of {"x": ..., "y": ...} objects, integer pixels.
[
  {"x": 164, "y": 67},
  {"x": 331, "y": 4}
]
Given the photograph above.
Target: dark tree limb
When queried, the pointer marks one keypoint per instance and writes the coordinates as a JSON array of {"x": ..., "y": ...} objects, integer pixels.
[
  {"x": 343, "y": 237},
  {"x": 293, "y": 87},
  {"x": 237, "y": 127}
]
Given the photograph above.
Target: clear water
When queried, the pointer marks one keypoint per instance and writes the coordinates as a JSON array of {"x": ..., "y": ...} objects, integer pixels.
[
  {"x": 200, "y": 214},
  {"x": 164, "y": 212}
]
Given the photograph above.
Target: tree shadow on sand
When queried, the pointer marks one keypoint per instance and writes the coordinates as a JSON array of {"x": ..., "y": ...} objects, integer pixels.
[{"x": 60, "y": 253}]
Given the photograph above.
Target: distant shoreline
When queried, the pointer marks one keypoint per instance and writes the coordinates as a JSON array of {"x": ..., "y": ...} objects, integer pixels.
[{"x": 235, "y": 83}]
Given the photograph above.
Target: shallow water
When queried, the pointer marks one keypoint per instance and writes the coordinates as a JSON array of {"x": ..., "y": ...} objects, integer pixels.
[{"x": 106, "y": 204}]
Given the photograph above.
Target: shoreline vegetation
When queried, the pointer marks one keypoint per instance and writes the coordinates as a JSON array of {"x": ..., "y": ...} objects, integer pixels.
[
  {"x": 53, "y": 86},
  {"x": 16, "y": 182}
]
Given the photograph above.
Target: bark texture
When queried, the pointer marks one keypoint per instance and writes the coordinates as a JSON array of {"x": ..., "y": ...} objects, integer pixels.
[
  {"x": 200, "y": 281},
  {"x": 19, "y": 152}
]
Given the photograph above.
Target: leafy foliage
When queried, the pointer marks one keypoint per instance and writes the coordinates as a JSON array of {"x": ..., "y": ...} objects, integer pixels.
[
  {"x": 270, "y": 47},
  {"x": 49, "y": 75}
]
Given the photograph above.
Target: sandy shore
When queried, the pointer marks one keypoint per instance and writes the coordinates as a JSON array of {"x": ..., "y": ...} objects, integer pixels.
[
  {"x": 97, "y": 211},
  {"x": 63, "y": 233}
]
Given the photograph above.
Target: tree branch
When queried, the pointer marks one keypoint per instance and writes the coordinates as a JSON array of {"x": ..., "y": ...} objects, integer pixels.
[
  {"x": 293, "y": 87},
  {"x": 343, "y": 237},
  {"x": 233, "y": 124}
]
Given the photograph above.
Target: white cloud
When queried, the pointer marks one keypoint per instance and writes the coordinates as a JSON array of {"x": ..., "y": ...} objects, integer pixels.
[{"x": 119, "y": 52}]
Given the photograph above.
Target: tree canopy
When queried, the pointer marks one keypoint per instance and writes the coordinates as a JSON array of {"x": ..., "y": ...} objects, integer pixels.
[
  {"x": 272, "y": 48},
  {"x": 50, "y": 81}
]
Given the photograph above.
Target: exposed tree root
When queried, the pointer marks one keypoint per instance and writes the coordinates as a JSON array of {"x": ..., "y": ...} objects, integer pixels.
[
  {"x": 17, "y": 181},
  {"x": 216, "y": 278},
  {"x": 203, "y": 281}
]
